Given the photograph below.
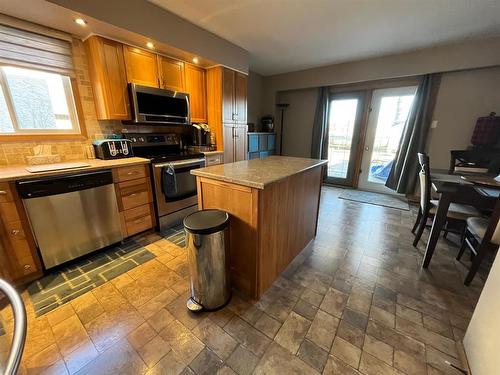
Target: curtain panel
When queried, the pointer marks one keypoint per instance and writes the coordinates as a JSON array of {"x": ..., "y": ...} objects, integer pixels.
[
  {"x": 404, "y": 171},
  {"x": 319, "y": 146}
]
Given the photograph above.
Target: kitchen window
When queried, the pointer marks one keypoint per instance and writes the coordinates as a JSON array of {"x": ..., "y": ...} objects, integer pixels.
[{"x": 35, "y": 102}]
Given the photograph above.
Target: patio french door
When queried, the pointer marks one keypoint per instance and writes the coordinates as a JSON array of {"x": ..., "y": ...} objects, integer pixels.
[
  {"x": 388, "y": 113},
  {"x": 344, "y": 124}
]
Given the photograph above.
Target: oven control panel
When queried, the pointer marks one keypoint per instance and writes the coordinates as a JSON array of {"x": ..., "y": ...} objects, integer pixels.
[{"x": 153, "y": 139}]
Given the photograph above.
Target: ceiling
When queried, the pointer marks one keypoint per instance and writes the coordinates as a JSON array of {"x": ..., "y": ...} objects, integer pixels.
[
  {"x": 59, "y": 18},
  {"x": 288, "y": 35}
]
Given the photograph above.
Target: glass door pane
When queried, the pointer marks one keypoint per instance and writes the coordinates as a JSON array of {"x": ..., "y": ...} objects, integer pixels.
[
  {"x": 343, "y": 135},
  {"x": 390, "y": 109}
]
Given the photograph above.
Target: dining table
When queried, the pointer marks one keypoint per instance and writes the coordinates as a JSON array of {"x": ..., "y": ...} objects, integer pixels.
[{"x": 480, "y": 191}]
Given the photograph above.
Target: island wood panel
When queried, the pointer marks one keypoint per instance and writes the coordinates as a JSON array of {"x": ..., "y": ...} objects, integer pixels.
[
  {"x": 288, "y": 211},
  {"x": 241, "y": 203},
  {"x": 269, "y": 227}
]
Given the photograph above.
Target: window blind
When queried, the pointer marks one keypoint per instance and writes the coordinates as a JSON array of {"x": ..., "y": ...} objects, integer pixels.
[{"x": 27, "y": 48}]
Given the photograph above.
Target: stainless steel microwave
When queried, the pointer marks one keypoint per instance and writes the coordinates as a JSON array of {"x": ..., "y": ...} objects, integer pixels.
[{"x": 151, "y": 105}]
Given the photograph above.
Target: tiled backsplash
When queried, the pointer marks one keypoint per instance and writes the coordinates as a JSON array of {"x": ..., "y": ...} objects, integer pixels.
[{"x": 12, "y": 153}]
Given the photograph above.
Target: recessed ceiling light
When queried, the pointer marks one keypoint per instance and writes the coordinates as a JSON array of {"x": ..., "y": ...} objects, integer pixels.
[
  {"x": 80, "y": 21},
  {"x": 150, "y": 45},
  {"x": 195, "y": 60}
]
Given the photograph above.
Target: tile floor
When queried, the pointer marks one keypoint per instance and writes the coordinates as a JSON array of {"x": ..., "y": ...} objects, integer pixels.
[{"x": 356, "y": 301}]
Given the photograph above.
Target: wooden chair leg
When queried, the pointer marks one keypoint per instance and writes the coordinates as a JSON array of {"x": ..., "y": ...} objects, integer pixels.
[
  {"x": 421, "y": 227},
  {"x": 419, "y": 216},
  {"x": 483, "y": 249},
  {"x": 462, "y": 249}
]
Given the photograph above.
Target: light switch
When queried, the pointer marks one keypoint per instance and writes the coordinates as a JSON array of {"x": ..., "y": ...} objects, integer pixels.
[{"x": 434, "y": 124}]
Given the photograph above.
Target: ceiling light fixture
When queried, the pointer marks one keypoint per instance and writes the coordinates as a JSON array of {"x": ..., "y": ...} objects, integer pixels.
[
  {"x": 80, "y": 21},
  {"x": 150, "y": 45},
  {"x": 195, "y": 60}
]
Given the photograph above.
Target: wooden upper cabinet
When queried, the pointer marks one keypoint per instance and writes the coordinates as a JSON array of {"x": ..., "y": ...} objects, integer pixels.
[
  {"x": 171, "y": 74},
  {"x": 141, "y": 66},
  {"x": 196, "y": 86},
  {"x": 240, "y": 97},
  {"x": 108, "y": 78},
  {"x": 234, "y": 97},
  {"x": 228, "y": 96}
]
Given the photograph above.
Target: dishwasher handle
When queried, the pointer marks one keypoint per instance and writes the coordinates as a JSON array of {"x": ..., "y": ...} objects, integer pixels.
[{"x": 43, "y": 187}]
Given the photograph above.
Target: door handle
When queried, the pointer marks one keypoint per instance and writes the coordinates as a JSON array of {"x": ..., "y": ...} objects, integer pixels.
[{"x": 367, "y": 148}]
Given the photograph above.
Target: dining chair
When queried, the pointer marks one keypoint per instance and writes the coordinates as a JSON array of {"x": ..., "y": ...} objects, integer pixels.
[
  {"x": 475, "y": 234},
  {"x": 428, "y": 206}
]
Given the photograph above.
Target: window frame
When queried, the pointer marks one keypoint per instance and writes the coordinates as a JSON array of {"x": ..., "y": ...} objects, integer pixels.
[{"x": 78, "y": 130}]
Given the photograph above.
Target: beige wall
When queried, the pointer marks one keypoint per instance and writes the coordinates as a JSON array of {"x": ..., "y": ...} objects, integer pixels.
[
  {"x": 299, "y": 117},
  {"x": 482, "y": 339},
  {"x": 254, "y": 104},
  {"x": 15, "y": 152},
  {"x": 145, "y": 18},
  {"x": 463, "y": 97}
]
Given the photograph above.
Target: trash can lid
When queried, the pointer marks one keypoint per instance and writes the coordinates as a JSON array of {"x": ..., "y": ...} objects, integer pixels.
[{"x": 206, "y": 221}]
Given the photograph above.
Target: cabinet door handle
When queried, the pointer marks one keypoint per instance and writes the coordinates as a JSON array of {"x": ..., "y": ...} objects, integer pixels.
[{"x": 15, "y": 232}]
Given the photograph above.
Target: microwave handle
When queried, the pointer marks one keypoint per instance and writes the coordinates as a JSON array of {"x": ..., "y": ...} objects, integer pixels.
[{"x": 183, "y": 163}]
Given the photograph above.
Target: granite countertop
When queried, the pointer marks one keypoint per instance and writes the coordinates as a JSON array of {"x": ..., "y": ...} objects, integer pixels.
[
  {"x": 258, "y": 173},
  {"x": 19, "y": 172}
]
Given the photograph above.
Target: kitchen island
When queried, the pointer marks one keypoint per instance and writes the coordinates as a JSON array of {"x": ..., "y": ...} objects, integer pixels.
[{"x": 274, "y": 204}]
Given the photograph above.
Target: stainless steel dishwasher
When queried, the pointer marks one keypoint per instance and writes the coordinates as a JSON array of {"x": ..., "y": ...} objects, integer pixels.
[{"x": 71, "y": 215}]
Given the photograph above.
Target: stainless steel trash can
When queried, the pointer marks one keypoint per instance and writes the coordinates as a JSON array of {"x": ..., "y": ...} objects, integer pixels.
[{"x": 208, "y": 259}]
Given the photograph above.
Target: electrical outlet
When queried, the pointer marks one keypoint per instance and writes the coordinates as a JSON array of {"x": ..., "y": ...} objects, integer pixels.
[{"x": 434, "y": 124}]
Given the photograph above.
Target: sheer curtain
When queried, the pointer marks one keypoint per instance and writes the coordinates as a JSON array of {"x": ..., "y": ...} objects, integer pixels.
[{"x": 403, "y": 174}]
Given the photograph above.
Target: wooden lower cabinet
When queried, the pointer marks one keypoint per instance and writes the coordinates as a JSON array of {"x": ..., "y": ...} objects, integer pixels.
[
  {"x": 18, "y": 254},
  {"x": 19, "y": 258},
  {"x": 135, "y": 199},
  {"x": 235, "y": 143},
  {"x": 214, "y": 159}
]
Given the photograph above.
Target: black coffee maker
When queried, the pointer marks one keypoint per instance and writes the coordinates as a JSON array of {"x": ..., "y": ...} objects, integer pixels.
[{"x": 201, "y": 135}]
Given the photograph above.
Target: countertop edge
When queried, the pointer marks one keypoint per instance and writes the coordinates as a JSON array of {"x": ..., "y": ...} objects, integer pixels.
[
  {"x": 252, "y": 184},
  {"x": 114, "y": 163}
]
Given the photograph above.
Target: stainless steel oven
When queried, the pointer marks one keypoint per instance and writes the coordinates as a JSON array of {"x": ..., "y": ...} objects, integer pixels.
[{"x": 175, "y": 189}]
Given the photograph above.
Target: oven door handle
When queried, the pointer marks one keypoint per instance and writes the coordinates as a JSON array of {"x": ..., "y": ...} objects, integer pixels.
[{"x": 179, "y": 164}]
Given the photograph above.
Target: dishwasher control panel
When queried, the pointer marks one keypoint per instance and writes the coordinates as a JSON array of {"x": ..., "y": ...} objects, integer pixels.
[{"x": 42, "y": 187}]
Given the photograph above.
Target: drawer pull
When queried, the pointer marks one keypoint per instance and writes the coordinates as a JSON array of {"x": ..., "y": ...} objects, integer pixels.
[
  {"x": 132, "y": 195},
  {"x": 15, "y": 232},
  {"x": 131, "y": 173},
  {"x": 27, "y": 266},
  {"x": 137, "y": 221},
  {"x": 3, "y": 192}
]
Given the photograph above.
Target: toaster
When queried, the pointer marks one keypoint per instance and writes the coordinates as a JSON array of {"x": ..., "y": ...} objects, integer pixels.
[{"x": 113, "y": 149}]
